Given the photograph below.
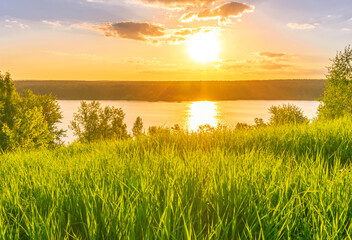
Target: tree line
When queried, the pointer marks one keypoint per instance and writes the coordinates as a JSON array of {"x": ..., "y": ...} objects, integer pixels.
[{"x": 29, "y": 121}]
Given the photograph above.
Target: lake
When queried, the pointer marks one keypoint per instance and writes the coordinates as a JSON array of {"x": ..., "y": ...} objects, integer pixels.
[{"x": 189, "y": 115}]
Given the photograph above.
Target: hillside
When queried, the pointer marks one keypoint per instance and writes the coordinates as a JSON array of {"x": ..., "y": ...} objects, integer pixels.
[
  {"x": 178, "y": 91},
  {"x": 289, "y": 182}
]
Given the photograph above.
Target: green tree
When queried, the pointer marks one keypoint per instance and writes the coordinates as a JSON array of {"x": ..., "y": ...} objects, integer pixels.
[
  {"x": 93, "y": 123},
  {"x": 286, "y": 114},
  {"x": 50, "y": 110},
  {"x": 30, "y": 130},
  {"x": 8, "y": 101},
  {"x": 337, "y": 98},
  {"x": 25, "y": 122},
  {"x": 137, "y": 129}
]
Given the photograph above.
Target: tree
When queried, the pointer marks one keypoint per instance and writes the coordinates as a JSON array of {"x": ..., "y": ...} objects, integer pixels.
[
  {"x": 337, "y": 98},
  {"x": 30, "y": 130},
  {"x": 50, "y": 109},
  {"x": 25, "y": 122},
  {"x": 93, "y": 123},
  {"x": 286, "y": 114},
  {"x": 137, "y": 129},
  {"x": 8, "y": 100}
]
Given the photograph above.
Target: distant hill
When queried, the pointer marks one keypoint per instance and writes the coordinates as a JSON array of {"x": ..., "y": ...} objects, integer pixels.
[{"x": 178, "y": 90}]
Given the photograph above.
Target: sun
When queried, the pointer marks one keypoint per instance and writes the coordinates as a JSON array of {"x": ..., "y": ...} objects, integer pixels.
[{"x": 204, "y": 47}]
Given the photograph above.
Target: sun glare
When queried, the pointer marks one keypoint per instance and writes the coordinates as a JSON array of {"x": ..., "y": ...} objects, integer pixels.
[
  {"x": 204, "y": 47},
  {"x": 202, "y": 113}
]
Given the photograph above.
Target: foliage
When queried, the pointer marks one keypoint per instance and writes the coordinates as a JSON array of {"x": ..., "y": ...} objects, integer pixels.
[
  {"x": 277, "y": 182},
  {"x": 176, "y": 128},
  {"x": 206, "y": 128},
  {"x": 158, "y": 130},
  {"x": 8, "y": 100},
  {"x": 30, "y": 130},
  {"x": 26, "y": 122},
  {"x": 259, "y": 122},
  {"x": 337, "y": 98},
  {"x": 50, "y": 109},
  {"x": 286, "y": 114},
  {"x": 137, "y": 128},
  {"x": 241, "y": 126},
  {"x": 93, "y": 123}
]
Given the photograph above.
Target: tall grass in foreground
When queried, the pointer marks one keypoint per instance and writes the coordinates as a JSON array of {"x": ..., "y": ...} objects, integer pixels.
[{"x": 290, "y": 182}]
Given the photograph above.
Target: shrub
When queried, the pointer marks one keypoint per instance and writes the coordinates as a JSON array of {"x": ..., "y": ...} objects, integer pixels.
[
  {"x": 137, "y": 129},
  {"x": 259, "y": 122},
  {"x": 158, "y": 130},
  {"x": 286, "y": 114},
  {"x": 240, "y": 126},
  {"x": 92, "y": 123},
  {"x": 337, "y": 98}
]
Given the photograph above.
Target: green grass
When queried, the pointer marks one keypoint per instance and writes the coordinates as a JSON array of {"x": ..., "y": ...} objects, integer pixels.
[{"x": 291, "y": 182}]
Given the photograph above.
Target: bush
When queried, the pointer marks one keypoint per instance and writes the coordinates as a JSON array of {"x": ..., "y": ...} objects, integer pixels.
[
  {"x": 241, "y": 126},
  {"x": 92, "y": 123},
  {"x": 337, "y": 98},
  {"x": 158, "y": 130},
  {"x": 286, "y": 114},
  {"x": 137, "y": 129},
  {"x": 259, "y": 122}
]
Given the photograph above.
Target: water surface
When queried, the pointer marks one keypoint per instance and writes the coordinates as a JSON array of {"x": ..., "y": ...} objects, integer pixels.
[{"x": 189, "y": 115}]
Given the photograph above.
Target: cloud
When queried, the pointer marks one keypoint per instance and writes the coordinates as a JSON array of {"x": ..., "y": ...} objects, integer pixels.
[
  {"x": 127, "y": 30},
  {"x": 11, "y": 23},
  {"x": 180, "y": 3},
  {"x": 263, "y": 61},
  {"x": 303, "y": 26},
  {"x": 95, "y": 1},
  {"x": 274, "y": 66},
  {"x": 222, "y": 13},
  {"x": 146, "y": 32},
  {"x": 82, "y": 56},
  {"x": 272, "y": 54},
  {"x": 51, "y": 23}
]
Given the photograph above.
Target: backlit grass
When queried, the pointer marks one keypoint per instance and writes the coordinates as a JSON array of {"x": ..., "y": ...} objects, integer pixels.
[{"x": 290, "y": 182}]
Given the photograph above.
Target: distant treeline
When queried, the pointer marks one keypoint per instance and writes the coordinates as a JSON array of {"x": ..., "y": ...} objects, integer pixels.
[{"x": 178, "y": 90}]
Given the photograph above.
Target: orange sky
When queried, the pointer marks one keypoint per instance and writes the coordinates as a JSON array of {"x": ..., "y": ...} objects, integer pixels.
[{"x": 149, "y": 39}]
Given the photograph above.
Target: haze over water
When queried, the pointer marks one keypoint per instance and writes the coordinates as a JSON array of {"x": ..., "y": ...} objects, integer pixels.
[{"x": 189, "y": 115}]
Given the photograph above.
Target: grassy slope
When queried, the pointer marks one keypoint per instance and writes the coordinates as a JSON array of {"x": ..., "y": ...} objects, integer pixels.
[{"x": 268, "y": 183}]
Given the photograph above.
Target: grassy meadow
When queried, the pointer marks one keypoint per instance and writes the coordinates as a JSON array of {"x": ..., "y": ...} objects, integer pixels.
[{"x": 289, "y": 182}]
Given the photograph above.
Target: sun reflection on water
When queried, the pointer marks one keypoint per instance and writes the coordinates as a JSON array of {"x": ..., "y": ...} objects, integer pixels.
[{"x": 202, "y": 113}]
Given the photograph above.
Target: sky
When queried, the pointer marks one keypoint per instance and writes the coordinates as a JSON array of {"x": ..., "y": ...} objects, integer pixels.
[{"x": 171, "y": 39}]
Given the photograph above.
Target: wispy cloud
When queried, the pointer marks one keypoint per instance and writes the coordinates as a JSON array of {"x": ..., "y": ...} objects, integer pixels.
[
  {"x": 146, "y": 32},
  {"x": 127, "y": 30},
  {"x": 272, "y": 54},
  {"x": 346, "y": 29},
  {"x": 10, "y": 23},
  {"x": 52, "y": 23},
  {"x": 223, "y": 12},
  {"x": 179, "y": 3},
  {"x": 261, "y": 60},
  {"x": 303, "y": 26}
]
